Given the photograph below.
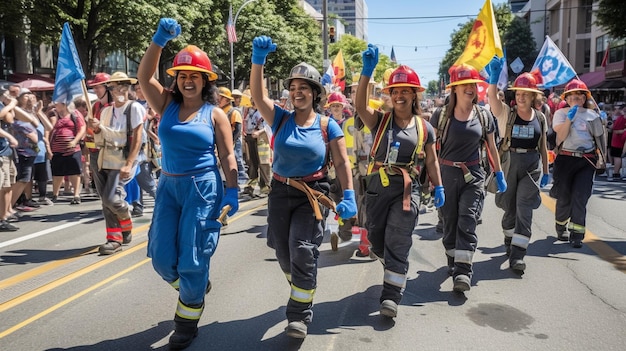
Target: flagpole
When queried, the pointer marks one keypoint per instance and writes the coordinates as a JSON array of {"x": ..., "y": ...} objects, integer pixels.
[{"x": 232, "y": 60}]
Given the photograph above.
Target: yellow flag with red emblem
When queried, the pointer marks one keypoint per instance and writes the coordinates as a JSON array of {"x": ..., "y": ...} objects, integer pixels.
[{"x": 484, "y": 40}]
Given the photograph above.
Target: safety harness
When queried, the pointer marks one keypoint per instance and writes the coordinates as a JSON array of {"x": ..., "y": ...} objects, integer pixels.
[{"x": 408, "y": 171}]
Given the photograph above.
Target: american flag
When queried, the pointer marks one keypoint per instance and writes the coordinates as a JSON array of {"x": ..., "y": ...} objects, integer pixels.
[{"x": 230, "y": 27}]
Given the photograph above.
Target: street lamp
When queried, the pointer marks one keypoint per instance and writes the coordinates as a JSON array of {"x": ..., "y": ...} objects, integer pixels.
[{"x": 232, "y": 60}]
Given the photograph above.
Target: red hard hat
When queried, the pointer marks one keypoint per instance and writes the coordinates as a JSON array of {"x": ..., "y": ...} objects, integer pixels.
[
  {"x": 463, "y": 74},
  {"x": 576, "y": 85},
  {"x": 403, "y": 76},
  {"x": 336, "y": 98},
  {"x": 192, "y": 58},
  {"x": 100, "y": 78},
  {"x": 526, "y": 82}
]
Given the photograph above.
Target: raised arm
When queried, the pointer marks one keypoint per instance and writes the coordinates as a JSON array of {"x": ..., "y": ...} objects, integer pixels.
[
  {"x": 157, "y": 96},
  {"x": 495, "y": 67},
  {"x": 261, "y": 47},
  {"x": 366, "y": 113}
]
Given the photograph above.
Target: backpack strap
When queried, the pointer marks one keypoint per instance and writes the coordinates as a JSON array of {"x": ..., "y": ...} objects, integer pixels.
[{"x": 377, "y": 139}]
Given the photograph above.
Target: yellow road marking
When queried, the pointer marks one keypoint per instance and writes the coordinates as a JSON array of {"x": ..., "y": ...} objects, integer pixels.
[
  {"x": 70, "y": 299},
  {"x": 53, "y": 265},
  {"x": 52, "y": 285},
  {"x": 594, "y": 242}
]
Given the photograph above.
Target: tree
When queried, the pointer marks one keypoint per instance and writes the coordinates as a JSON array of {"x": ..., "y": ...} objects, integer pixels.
[
  {"x": 458, "y": 38},
  {"x": 352, "y": 49},
  {"x": 610, "y": 16},
  {"x": 433, "y": 88},
  {"x": 106, "y": 26},
  {"x": 519, "y": 42}
]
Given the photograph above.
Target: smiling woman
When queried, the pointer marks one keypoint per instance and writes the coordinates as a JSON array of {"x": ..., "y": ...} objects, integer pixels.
[{"x": 185, "y": 228}]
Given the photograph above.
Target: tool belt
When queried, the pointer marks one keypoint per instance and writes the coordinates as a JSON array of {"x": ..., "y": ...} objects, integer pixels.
[
  {"x": 467, "y": 175},
  {"x": 520, "y": 150},
  {"x": 315, "y": 197},
  {"x": 407, "y": 180},
  {"x": 586, "y": 153}
]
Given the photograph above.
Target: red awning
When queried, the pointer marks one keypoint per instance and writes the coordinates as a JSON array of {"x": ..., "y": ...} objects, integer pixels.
[{"x": 593, "y": 78}]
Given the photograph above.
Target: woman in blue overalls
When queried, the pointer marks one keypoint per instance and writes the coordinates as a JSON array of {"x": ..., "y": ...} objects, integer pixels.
[
  {"x": 393, "y": 190},
  {"x": 300, "y": 157},
  {"x": 185, "y": 229}
]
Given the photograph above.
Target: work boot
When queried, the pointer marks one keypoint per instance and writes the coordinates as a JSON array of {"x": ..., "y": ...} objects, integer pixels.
[
  {"x": 516, "y": 260},
  {"x": 185, "y": 328},
  {"x": 128, "y": 237},
  {"x": 389, "y": 309},
  {"x": 576, "y": 239},
  {"x": 462, "y": 283},
  {"x": 110, "y": 247},
  {"x": 296, "y": 330},
  {"x": 184, "y": 332},
  {"x": 561, "y": 232}
]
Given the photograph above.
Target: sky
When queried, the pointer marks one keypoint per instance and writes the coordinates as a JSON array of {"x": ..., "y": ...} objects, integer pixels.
[{"x": 418, "y": 42}]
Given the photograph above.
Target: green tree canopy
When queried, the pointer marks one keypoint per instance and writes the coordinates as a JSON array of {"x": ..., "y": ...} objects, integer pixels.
[
  {"x": 519, "y": 42},
  {"x": 610, "y": 16},
  {"x": 106, "y": 26}
]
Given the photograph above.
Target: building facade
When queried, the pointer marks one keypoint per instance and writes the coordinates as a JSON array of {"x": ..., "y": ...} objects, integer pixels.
[{"x": 352, "y": 12}]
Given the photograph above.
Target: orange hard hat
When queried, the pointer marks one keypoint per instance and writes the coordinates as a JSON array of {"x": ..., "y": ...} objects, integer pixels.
[
  {"x": 336, "y": 98},
  {"x": 403, "y": 76},
  {"x": 526, "y": 82},
  {"x": 576, "y": 85},
  {"x": 192, "y": 58},
  {"x": 463, "y": 74},
  {"x": 99, "y": 78}
]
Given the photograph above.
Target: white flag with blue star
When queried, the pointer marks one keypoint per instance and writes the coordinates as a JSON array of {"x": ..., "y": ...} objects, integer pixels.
[{"x": 552, "y": 65}]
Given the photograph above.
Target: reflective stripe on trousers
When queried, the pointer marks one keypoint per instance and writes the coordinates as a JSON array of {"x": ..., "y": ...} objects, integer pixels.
[
  {"x": 460, "y": 214},
  {"x": 296, "y": 235},
  {"x": 390, "y": 230}
]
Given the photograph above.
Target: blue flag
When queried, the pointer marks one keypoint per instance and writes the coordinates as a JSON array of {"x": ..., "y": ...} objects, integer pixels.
[
  {"x": 552, "y": 65},
  {"x": 67, "y": 82}
]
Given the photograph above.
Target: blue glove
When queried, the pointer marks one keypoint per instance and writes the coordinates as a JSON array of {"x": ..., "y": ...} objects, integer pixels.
[
  {"x": 501, "y": 181},
  {"x": 370, "y": 60},
  {"x": 347, "y": 207},
  {"x": 440, "y": 196},
  {"x": 572, "y": 112},
  {"x": 231, "y": 198},
  {"x": 495, "y": 67},
  {"x": 261, "y": 47},
  {"x": 545, "y": 179},
  {"x": 167, "y": 30}
]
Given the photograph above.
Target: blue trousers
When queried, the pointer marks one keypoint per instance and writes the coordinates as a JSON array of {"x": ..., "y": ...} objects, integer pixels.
[{"x": 184, "y": 232}]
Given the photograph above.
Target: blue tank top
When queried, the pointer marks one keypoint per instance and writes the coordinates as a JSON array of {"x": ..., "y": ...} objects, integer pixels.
[{"x": 187, "y": 147}]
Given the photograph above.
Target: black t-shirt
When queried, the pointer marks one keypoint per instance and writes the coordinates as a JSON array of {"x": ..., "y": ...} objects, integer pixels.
[
  {"x": 525, "y": 134},
  {"x": 406, "y": 136},
  {"x": 463, "y": 139}
]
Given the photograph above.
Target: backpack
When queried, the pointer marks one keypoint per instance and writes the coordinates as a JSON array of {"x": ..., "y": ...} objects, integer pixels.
[
  {"x": 422, "y": 137},
  {"x": 443, "y": 123}
]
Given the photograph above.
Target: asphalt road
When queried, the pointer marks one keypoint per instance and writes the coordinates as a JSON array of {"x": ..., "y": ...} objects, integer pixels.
[{"x": 57, "y": 293}]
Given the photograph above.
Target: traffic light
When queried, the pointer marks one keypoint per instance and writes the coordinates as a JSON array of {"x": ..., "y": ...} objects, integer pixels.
[{"x": 331, "y": 34}]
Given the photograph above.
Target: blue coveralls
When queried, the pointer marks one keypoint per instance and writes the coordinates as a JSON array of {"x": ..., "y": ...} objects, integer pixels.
[{"x": 184, "y": 232}]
